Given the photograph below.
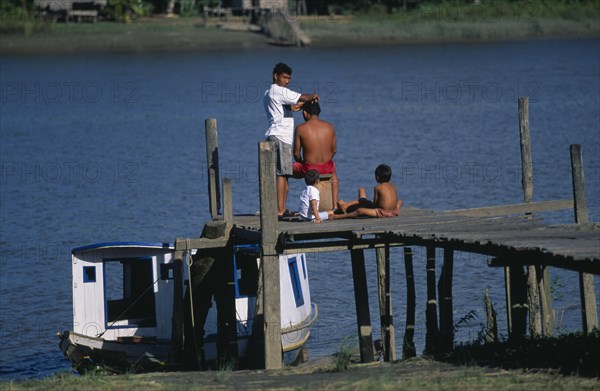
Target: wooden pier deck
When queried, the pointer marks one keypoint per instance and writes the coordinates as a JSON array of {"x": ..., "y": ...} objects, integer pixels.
[
  {"x": 516, "y": 239},
  {"x": 513, "y": 236}
]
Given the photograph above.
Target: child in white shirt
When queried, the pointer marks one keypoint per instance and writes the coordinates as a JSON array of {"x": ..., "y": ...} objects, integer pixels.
[{"x": 310, "y": 198}]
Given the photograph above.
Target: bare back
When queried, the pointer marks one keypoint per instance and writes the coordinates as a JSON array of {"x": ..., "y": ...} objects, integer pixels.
[
  {"x": 317, "y": 141},
  {"x": 385, "y": 196}
]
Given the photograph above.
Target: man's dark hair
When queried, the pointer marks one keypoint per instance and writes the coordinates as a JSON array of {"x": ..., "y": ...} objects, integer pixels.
[
  {"x": 282, "y": 68},
  {"x": 311, "y": 177},
  {"x": 312, "y": 108},
  {"x": 383, "y": 173}
]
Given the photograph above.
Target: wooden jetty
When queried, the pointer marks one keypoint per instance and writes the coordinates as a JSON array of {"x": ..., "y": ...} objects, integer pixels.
[{"x": 511, "y": 235}]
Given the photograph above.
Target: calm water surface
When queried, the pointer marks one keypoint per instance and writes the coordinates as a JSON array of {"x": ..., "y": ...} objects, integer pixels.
[{"x": 111, "y": 147}]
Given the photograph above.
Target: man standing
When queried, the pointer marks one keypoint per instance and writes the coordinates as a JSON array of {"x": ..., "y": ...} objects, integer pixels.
[
  {"x": 279, "y": 102},
  {"x": 315, "y": 146}
]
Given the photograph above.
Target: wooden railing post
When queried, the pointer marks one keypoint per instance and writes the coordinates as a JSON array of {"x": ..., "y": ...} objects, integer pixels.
[
  {"x": 589, "y": 310},
  {"x": 269, "y": 256},
  {"x": 212, "y": 162}
]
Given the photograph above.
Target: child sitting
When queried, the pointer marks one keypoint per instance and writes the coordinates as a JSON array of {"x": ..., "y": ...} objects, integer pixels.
[
  {"x": 310, "y": 198},
  {"x": 385, "y": 199}
]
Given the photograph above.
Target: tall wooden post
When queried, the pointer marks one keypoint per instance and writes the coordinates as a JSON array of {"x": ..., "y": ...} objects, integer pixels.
[
  {"x": 536, "y": 279},
  {"x": 269, "y": 256},
  {"x": 408, "y": 346},
  {"x": 361, "y": 300},
  {"x": 385, "y": 304},
  {"x": 431, "y": 319},
  {"x": 526, "y": 160},
  {"x": 589, "y": 310},
  {"x": 445, "y": 297},
  {"x": 212, "y": 162}
]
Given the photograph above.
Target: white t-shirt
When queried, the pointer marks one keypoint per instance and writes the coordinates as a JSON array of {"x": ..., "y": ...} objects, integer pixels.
[
  {"x": 277, "y": 102},
  {"x": 308, "y": 194}
]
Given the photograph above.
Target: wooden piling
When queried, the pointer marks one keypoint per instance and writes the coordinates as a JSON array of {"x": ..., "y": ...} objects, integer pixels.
[
  {"x": 491, "y": 334},
  {"x": 543, "y": 274},
  {"x": 177, "y": 319},
  {"x": 212, "y": 162},
  {"x": 269, "y": 257},
  {"x": 533, "y": 299},
  {"x": 445, "y": 298},
  {"x": 525, "y": 140},
  {"x": 227, "y": 203},
  {"x": 517, "y": 286},
  {"x": 539, "y": 300},
  {"x": 431, "y": 318},
  {"x": 361, "y": 300},
  {"x": 589, "y": 310},
  {"x": 408, "y": 345},
  {"x": 385, "y": 304}
]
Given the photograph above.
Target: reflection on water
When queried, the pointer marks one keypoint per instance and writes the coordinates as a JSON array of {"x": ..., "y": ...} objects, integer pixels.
[{"x": 111, "y": 147}]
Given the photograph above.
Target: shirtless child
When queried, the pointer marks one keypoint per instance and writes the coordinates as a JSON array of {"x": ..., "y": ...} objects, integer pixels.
[{"x": 385, "y": 199}]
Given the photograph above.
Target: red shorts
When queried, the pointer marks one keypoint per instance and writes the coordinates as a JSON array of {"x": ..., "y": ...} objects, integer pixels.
[{"x": 299, "y": 169}]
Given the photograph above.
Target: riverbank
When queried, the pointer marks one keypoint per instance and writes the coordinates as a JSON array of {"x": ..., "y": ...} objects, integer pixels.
[
  {"x": 418, "y": 373},
  {"x": 161, "y": 34}
]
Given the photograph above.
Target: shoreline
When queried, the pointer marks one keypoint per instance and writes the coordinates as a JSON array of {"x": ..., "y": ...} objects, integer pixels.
[{"x": 186, "y": 35}]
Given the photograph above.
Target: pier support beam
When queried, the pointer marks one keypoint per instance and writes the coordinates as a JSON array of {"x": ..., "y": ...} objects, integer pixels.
[
  {"x": 361, "y": 299},
  {"x": 408, "y": 345},
  {"x": 589, "y": 310},
  {"x": 269, "y": 256},
  {"x": 385, "y": 304},
  {"x": 445, "y": 297},
  {"x": 431, "y": 318}
]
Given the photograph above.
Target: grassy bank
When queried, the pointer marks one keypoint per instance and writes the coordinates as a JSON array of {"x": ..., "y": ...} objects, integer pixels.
[
  {"x": 412, "y": 374},
  {"x": 442, "y": 22},
  {"x": 568, "y": 362}
]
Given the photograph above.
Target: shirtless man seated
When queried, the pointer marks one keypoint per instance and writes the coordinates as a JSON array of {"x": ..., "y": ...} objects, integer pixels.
[
  {"x": 315, "y": 146},
  {"x": 385, "y": 199}
]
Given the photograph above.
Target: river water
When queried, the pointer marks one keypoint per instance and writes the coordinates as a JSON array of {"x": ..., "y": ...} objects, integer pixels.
[{"x": 111, "y": 148}]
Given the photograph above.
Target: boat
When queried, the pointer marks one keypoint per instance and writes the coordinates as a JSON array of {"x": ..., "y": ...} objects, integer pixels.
[{"x": 123, "y": 300}]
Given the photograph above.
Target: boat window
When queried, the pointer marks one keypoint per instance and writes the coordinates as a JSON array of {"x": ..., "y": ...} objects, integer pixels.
[
  {"x": 166, "y": 271},
  {"x": 304, "y": 266},
  {"x": 246, "y": 274},
  {"x": 295, "y": 278},
  {"x": 89, "y": 274},
  {"x": 129, "y": 292}
]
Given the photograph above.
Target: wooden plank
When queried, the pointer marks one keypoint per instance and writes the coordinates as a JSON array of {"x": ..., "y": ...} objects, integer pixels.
[
  {"x": 269, "y": 257},
  {"x": 501, "y": 210},
  {"x": 212, "y": 162},
  {"x": 361, "y": 300}
]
